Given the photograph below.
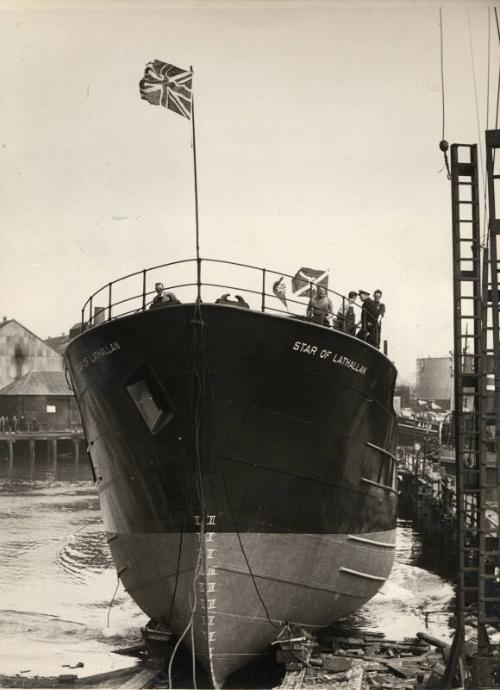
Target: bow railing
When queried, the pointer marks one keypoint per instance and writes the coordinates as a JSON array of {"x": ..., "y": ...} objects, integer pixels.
[{"x": 208, "y": 280}]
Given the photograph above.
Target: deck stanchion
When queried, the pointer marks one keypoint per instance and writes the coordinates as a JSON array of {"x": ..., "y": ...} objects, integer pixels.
[
  {"x": 198, "y": 279},
  {"x": 90, "y": 311},
  {"x": 144, "y": 289},
  {"x": 109, "y": 300},
  {"x": 263, "y": 289}
]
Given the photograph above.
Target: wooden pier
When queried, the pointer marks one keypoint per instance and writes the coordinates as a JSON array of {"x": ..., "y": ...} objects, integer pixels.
[{"x": 53, "y": 441}]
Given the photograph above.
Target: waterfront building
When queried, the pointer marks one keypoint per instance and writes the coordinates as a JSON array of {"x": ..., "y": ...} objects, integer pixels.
[
  {"x": 21, "y": 351},
  {"x": 40, "y": 401}
]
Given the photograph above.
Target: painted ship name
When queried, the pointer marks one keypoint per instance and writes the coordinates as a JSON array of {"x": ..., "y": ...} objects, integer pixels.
[
  {"x": 103, "y": 351},
  {"x": 329, "y": 355}
]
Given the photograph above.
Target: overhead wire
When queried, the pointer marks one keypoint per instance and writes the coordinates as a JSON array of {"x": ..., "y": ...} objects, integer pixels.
[
  {"x": 484, "y": 240},
  {"x": 498, "y": 77},
  {"x": 443, "y": 144},
  {"x": 476, "y": 101}
]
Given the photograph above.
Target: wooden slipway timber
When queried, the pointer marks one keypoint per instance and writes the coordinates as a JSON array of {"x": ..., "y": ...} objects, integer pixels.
[{"x": 245, "y": 468}]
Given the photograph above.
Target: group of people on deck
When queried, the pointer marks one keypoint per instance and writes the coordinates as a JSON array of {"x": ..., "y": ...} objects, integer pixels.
[
  {"x": 320, "y": 310},
  {"x": 368, "y": 328}
]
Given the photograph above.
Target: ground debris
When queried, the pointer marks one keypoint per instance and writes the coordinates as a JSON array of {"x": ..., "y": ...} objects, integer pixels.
[{"x": 369, "y": 662}]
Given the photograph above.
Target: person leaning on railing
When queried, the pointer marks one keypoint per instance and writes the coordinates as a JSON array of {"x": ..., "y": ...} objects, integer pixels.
[
  {"x": 162, "y": 298},
  {"x": 320, "y": 308}
]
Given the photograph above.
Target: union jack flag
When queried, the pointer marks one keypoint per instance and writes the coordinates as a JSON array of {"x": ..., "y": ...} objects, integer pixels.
[{"x": 168, "y": 86}]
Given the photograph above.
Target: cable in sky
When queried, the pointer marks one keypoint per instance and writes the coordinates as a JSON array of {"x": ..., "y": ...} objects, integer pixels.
[
  {"x": 443, "y": 144},
  {"x": 485, "y": 206}
]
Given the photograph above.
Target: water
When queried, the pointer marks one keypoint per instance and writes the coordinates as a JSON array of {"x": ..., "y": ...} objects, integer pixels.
[
  {"x": 56, "y": 575},
  {"x": 57, "y": 578}
]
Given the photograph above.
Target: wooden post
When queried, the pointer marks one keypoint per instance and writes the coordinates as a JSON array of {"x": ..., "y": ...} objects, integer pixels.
[
  {"x": 11, "y": 452},
  {"x": 76, "y": 444},
  {"x": 32, "y": 449}
]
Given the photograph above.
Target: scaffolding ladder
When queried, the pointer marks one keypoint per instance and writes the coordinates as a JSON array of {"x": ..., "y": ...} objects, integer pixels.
[
  {"x": 468, "y": 390},
  {"x": 477, "y": 378}
]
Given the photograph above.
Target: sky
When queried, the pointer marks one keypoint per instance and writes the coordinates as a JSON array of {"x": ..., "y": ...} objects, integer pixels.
[{"x": 317, "y": 132}]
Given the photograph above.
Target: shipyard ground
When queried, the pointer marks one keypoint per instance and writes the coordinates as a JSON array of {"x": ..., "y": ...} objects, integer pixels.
[{"x": 333, "y": 661}]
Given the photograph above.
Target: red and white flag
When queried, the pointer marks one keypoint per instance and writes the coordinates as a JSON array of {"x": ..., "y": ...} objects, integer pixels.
[{"x": 168, "y": 86}]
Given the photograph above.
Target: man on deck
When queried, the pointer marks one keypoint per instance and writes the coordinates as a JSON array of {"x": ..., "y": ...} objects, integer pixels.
[
  {"x": 320, "y": 307},
  {"x": 346, "y": 318},
  {"x": 369, "y": 316},
  {"x": 162, "y": 298},
  {"x": 380, "y": 307}
]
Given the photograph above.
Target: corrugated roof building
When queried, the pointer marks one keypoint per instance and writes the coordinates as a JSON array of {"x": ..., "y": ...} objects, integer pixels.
[{"x": 39, "y": 400}]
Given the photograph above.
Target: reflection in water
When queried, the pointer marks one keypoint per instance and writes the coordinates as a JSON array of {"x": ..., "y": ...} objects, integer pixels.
[{"x": 57, "y": 578}]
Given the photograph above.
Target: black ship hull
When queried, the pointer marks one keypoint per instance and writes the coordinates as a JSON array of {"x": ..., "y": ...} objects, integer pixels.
[{"x": 244, "y": 464}]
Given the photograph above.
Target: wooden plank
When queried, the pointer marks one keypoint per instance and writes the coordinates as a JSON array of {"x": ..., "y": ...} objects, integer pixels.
[
  {"x": 137, "y": 676},
  {"x": 142, "y": 679}
]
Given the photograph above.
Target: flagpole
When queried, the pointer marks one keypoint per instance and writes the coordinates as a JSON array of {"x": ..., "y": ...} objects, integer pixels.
[{"x": 198, "y": 261}]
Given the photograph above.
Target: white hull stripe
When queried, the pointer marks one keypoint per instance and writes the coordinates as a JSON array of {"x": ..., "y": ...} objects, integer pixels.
[
  {"x": 365, "y": 575},
  {"x": 383, "y": 544}
]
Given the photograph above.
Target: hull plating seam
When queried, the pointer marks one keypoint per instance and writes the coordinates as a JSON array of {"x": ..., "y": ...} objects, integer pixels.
[
  {"x": 269, "y": 578},
  {"x": 281, "y": 471}
]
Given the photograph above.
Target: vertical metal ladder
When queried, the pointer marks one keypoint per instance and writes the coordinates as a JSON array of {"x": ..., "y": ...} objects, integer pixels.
[
  {"x": 477, "y": 412},
  {"x": 486, "y": 663},
  {"x": 468, "y": 389},
  {"x": 491, "y": 397}
]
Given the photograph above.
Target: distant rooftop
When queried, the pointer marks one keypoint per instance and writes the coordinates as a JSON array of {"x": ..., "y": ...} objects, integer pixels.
[
  {"x": 38, "y": 383},
  {"x": 58, "y": 343}
]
